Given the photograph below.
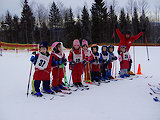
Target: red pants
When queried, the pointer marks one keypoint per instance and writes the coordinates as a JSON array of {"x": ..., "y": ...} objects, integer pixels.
[
  {"x": 58, "y": 74},
  {"x": 77, "y": 72}
]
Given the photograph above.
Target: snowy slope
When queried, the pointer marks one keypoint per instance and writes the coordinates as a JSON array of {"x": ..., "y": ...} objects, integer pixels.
[{"x": 121, "y": 100}]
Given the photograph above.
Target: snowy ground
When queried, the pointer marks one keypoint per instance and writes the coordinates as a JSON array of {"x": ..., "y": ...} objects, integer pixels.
[{"x": 121, "y": 100}]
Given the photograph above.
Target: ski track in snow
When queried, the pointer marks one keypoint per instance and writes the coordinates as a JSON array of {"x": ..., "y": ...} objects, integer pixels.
[{"x": 120, "y": 100}]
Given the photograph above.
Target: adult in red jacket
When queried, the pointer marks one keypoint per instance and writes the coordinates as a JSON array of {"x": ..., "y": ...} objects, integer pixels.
[
  {"x": 77, "y": 59},
  {"x": 127, "y": 41}
]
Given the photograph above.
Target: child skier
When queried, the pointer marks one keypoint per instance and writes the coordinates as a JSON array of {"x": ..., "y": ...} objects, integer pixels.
[
  {"x": 42, "y": 62},
  {"x": 105, "y": 62},
  {"x": 88, "y": 57},
  {"x": 95, "y": 64},
  {"x": 124, "y": 59},
  {"x": 112, "y": 58},
  {"x": 77, "y": 60},
  {"x": 58, "y": 58}
]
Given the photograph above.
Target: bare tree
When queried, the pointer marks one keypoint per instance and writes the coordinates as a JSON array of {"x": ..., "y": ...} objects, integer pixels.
[
  {"x": 41, "y": 14},
  {"x": 143, "y": 6},
  {"x": 130, "y": 7}
]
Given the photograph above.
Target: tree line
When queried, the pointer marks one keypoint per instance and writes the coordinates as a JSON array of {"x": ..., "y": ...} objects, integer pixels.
[{"x": 62, "y": 25}]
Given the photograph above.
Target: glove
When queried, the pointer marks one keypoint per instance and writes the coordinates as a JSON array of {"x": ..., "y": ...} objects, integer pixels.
[
  {"x": 84, "y": 62},
  {"x": 64, "y": 60},
  {"x": 100, "y": 60},
  {"x": 65, "y": 64},
  {"x": 143, "y": 30},
  {"x": 114, "y": 58},
  {"x": 59, "y": 62},
  {"x": 72, "y": 63},
  {"x": 34, "y": 53},
  {"x": 32, "y": 59}
]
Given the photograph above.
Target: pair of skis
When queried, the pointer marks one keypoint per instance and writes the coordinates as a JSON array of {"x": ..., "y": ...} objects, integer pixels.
[{"x": 155, "y": 91}]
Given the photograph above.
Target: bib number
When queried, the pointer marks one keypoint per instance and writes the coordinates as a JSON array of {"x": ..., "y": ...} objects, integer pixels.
[{"x": 42, "y": 63}]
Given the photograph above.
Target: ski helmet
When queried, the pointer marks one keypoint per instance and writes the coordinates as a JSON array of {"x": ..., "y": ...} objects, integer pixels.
[
  {"x": 94, "y": 46},
  {"x": 111, "y": 46},
  {"x": 123, "y": 46},
  {"x": 43, "y": 44},
  {"x": 103, "y": 47}
]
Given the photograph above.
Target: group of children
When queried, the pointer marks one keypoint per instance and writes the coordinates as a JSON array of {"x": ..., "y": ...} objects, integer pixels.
[{"x": 95, "y": 66}]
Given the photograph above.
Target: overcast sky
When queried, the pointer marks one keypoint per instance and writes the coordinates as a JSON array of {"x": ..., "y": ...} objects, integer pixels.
[{"x": 14, "y": 6}]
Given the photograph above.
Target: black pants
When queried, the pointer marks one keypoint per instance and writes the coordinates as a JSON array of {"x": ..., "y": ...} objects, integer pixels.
[
  {"x": 95, "y": 76},
  {"x": 46, "y": 85}
]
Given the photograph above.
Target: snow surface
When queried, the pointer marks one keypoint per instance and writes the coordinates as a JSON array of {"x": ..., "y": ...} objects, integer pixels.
[{"x": 121, "y": 100}]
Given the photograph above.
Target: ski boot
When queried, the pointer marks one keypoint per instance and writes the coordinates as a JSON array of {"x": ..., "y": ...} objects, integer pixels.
[
  {"x": 38, "y": 94},
  {"x": 61, "y": 87},
  {"x": 130, "y": 72},
  {"x": 56, "y": 89},
  {"x": 48, "y": 91},
  {"x": 111, "y": 77}
]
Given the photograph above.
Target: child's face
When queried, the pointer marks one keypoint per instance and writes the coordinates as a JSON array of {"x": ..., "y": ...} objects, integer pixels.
[
  {"x": 43, "y": 50},
  {"x": 59, "y": 47},
  {"x": 94, "y": 50},
  {"x": 123, "y": 50},
  {"x": 76, "y": 47},
  {"x": 104, "y": 49},
  {"x": 111, "y": 50},
  {"x": 85, "y": 47}
]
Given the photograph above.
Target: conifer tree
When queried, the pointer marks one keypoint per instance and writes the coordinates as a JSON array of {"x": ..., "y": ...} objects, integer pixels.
[
  {"x": 27, "y": 24},
  {"x": 86, "y": 25},
  {"x": 99, "y": 21}
]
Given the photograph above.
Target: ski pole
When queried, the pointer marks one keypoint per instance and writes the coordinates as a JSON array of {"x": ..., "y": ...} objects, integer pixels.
[
  {"x": 147, "y": 47},
  {"x": 115, "y": 69},
  {"x": 29, "y": 79},
  {"x": 65, "y": 78},
  {"x": 134, "y": 58},
  {"x": 71, "y": 75}
]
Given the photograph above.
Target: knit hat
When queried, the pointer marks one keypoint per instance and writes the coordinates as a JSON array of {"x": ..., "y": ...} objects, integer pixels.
[
  {"x": 54, "y": 45},
  {"x": 76, "y": 42},
  {"x": 84, "y": 42}
]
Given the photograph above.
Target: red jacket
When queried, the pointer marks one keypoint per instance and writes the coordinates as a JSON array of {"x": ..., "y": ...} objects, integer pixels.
[
  {"x": 88, "y": 55},
  {"x": 55, "y": 70},
  {"x": 43, "y": 74},
  {"x": 127, "y": 42},
  {"x": 78, "y": 66},
  {"x": 124, "y": 59}
]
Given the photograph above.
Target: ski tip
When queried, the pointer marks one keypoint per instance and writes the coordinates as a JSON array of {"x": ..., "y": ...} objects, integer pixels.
[{"x": 156, "y": 99}]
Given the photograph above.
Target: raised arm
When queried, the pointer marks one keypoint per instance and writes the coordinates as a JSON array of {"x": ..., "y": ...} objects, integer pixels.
[
  {"x": 120, "y": 35},
  {"x": 136, "y": 36}
]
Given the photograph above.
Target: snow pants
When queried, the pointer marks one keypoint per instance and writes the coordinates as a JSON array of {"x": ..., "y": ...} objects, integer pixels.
[
  {"x": 36, "y": 85},
  {"x": 77, "y": 71},
  {"x": 58, "y": 75}
]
